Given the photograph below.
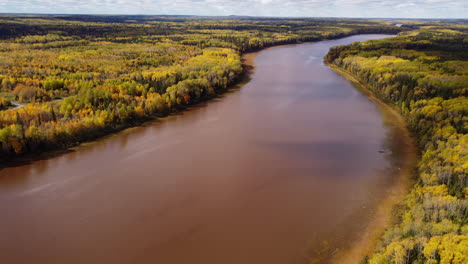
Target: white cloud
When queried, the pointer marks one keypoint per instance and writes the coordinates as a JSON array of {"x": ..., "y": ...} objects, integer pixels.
[
  {"x": 405, "y": 5},
  {"x": 309, "y": 8}
]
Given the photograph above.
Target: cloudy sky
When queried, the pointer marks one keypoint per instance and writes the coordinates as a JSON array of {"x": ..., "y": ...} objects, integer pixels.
[{"x": 301, "y": 8}]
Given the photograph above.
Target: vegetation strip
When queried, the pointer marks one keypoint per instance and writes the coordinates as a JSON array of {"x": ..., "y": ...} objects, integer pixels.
[
  {"x": 383, "y": 217},
  {"x": 424, "y": 74}
]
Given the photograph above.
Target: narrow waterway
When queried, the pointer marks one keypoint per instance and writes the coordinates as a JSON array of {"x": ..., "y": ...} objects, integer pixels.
[{"x": 288, "y": 169}]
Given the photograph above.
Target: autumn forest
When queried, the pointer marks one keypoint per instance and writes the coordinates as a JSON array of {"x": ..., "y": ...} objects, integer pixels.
[{"x": 69, "y": 79}]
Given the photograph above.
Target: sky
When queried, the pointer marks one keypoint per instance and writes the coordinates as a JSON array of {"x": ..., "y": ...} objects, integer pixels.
[{"x": 281, "y": 8}]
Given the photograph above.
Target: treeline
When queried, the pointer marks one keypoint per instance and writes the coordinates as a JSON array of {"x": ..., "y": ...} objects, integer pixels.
[
  {"x": 134, "y": 28},
  {"x": 425, "y": 75}
]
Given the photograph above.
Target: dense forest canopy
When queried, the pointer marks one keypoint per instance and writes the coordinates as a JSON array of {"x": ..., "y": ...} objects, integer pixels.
[
  {"x": 81, "y": 77},
  {"x": 424, "y": 74}
]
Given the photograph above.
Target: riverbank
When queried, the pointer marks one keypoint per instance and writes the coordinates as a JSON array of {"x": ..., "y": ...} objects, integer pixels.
[
  {"x": 431, "y": 225},
  {"x": 27, "y": 150},
  {"x": 247, "y": 61},
  {"x": 385, "y": 214}
]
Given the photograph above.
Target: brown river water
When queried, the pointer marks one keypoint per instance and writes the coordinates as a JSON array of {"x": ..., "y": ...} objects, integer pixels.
[{"x": 288, "y": 169}]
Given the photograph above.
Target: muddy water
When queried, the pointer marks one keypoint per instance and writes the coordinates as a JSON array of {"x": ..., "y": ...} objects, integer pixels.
[{"x": 288, "y": 169}]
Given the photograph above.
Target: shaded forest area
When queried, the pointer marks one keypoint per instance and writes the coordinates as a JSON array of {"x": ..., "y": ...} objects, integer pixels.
[
  {"x": 81, "y": 77},
  {"x": 424, "y": 74}
]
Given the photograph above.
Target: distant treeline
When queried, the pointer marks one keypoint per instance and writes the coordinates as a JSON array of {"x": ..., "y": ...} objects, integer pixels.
[{"x": 133, "y": 28}]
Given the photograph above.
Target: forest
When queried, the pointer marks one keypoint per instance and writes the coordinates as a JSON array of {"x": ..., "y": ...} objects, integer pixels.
[
  {"x": 423, "y": 74},
  {"x": 69, "y": 79}
]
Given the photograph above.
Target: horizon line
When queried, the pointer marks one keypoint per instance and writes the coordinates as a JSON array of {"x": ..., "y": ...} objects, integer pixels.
[{"x": 221, "y": 16}]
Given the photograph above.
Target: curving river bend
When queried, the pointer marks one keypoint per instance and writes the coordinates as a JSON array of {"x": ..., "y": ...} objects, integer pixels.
[{"x": 288, "y": 169}]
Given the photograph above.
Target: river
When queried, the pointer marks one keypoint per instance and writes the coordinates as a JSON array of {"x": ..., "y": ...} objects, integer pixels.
[{"x": 290, "y": 168}]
